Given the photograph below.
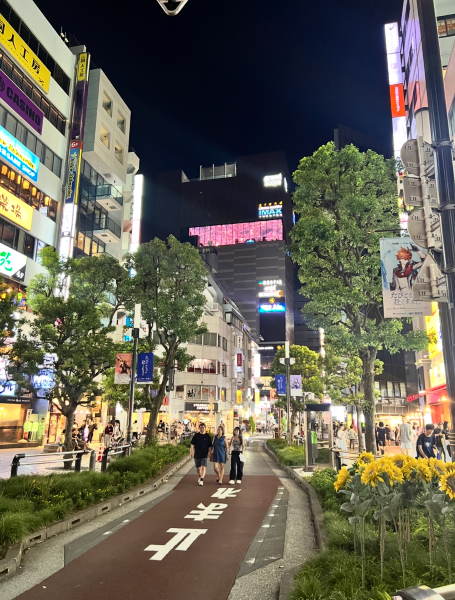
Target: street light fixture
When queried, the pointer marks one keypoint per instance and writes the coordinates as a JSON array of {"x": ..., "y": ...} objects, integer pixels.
[{"x": 172, "y": 7}]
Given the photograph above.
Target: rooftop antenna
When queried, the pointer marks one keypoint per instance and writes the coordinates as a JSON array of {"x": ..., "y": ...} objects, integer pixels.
[{"x": 172, "y": 7}]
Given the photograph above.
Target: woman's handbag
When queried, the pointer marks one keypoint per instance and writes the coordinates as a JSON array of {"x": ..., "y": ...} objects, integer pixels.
[{"x": 242, "y": 458}]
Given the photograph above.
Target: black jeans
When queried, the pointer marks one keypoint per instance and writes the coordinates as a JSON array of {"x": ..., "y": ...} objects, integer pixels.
[
  {"x": 236, "y": 466},
  {"x": 351, "y": 444}
]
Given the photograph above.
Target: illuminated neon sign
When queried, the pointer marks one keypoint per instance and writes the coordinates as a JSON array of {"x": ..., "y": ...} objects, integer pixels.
[
  {"x": 277, "y": 307},
  {"x": 271, "y": 211},
  {"x": 273, "y": 180}
]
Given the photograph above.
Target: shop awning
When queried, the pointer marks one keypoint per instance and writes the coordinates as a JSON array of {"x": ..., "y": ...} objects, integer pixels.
[{"x": 435, "y": 394}]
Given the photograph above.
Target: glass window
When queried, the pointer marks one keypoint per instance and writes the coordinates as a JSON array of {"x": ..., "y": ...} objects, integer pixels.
[
  {"x": 26, "y": 191},
  {"x": 29, "y": 246},
  {"x": 87, "y": 243},
  {"x": 42, "y": 53},
  {"x": 17, "y": 235},
  {"x": 2, "y": 116},
  {"x": 53, "y": 116},
  {"x": 57, "y": 167},
  {"x": 8, "y": 234},
  {"x": 48, "y": 158},
  {"x": 39, "y": 148},
  {"x": 4, "y": 179},
  {"x": 21, "y": 133},
  {"x": 31, "y": 142},
  {"x": 36, "y": 97},
  {"x": 118, "y": 152},
  {"x": 45, "y": 107},
  {"x": 11, "y": 123},
  {"x": 35, "y": 198},
  {"x": 80, "y": 240},
  {"x": 50, "y": 64},
  {"x": 403, "y": 390},
  {"x": 13, "y": 182},
  {"x": 107, "y": 104},
  {"x": 27, "y": 88},
  {"x": 7, "y": 66},
  {"x": 17, "y": 78},
  {"x": 450, "y": 26},
  {"x": 33, "y": 43},
  {"x": 105, "y": 136},
  {"x": 390, "y": 389},
  {"x": 121, "y": 123}
]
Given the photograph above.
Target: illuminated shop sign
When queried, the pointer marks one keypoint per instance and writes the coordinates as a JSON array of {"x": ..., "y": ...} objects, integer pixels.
[
  {"x": 201, "y": 408},
  {"x": 277, "y": 307},
  {"x": 15, "y": 210},
  {"x": 18, "y": 155},
  {"x": 12, "y": 263},
  {"x": 271, "y": 292},
  {"x": 398, "y": 109},
  {"x": 273, "y": 180},
  {"x": 239, "y": 233},
  {"x": 397, "y": 100},
  {"x": 271, "y": 282},
  {"x": 270, "y": 211},
  {"x": 20, "y": 103},
  {"x": 24, "y": 55}
]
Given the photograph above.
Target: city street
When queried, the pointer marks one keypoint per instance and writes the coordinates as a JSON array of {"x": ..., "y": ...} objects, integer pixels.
[{"x": 223, "y": 541}]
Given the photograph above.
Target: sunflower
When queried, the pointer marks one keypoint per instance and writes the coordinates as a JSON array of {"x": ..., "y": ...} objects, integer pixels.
[
  {"x": 409, "y": 467},
  {"x": 372, "y": 474},
  {"x": 399, "y": 460},
  {"x": 423, "y": 470},
  {"x": 437, "y": 466},
  {"x": 366, "y": 458},
  {"x": 448, "y": 484},
  {"x": 343, "y": 479}
]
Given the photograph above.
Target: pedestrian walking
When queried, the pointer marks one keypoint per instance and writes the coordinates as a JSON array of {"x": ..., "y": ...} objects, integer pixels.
[
  {"x": 160, "y": 428},
  {"x": 179, "y": 431},
  {"x": 220, "y": 454},
  {"x": 381, "y": 437},
  {"x": 446, "y": 431},
  {"x": 426, "y": 443},
  {"x": 440, "y": 439},
  {"x": 405, "y": 436},
  {"x": 387, "y": 435},
  {"x": 351, "y": 437},
  {"x": 108, "y": 431},
  {"x": 397, "y": 435},
  {"x": 237, "y": 448},
  {"x": 135, "y": 431},
  {"x": 91, "y": 431},
  {"x": 199, "y": 450}
]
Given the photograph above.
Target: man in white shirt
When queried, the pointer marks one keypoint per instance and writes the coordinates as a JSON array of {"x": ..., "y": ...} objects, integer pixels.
[{"x": 405, "y": 436}]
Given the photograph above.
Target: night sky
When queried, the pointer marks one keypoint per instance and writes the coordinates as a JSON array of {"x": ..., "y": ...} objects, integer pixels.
[{"x": 232, "y": 77}]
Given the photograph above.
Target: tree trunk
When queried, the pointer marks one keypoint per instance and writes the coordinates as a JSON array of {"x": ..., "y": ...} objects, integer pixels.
[
  {"x": 358, "y": 408},
  {"x": 151, "y": 427},
  {"x": 68, "y": 445},
  {"x": 368, "y": 357}
]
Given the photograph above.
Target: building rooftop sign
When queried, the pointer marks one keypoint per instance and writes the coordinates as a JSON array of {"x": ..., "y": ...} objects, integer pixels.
[{"x": 273, "y": 180}]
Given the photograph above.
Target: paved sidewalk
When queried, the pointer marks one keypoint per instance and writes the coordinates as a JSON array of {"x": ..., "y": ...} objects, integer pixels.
[{"x": 181, "y": 541}]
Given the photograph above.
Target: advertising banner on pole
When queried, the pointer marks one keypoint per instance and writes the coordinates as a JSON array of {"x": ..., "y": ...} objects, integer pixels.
[
  {"x": 123, "y": 368},
  {"x": 401, "y": 260},
  {"x": 280, "y": 381},
  {"x": 296, "y": 385},
  {"x": 144, "y": 368}
]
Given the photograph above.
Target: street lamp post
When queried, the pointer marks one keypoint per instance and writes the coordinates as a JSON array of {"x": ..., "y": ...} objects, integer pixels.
[
  {"x": 288, "y": 391},
  {"x": 137, "y": 322}
]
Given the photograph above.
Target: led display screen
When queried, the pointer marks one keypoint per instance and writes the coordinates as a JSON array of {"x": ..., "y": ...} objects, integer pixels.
[{"x": 239, "y": 233}]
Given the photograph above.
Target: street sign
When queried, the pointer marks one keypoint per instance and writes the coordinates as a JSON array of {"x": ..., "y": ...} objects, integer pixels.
[
  {"x": 425, "y": 234},
  {"x": 413, "y": 194},
  {"x": 291, "y": 361},
  {"x": 430, "y": 284}
]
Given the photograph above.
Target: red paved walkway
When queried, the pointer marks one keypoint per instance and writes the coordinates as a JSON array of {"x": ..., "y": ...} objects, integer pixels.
[{"x": 164, "y": 555}]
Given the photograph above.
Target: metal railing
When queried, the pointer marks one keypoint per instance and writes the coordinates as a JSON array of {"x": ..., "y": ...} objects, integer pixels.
[
  {"x": 112, "y": 451},
  {"x": 104, "y": 222},
  {"x": 106, "y": 191},
  {"x": 75, "y": 455},
  {"x": 353, "y": 455}
]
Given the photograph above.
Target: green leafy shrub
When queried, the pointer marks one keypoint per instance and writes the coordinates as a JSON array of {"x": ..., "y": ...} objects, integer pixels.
[{"x": 30, "y": 502}]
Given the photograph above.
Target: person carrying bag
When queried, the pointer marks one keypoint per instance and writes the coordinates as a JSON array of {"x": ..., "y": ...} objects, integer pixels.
[{"x": 237, "y": 448}]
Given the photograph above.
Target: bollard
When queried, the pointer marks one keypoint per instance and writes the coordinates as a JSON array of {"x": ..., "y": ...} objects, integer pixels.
[
  {"x": 337, "y": 461},
  {"x": 104, "y": 460},
  {"x": 15, "y": 464},
  {"x": 77, "y": 463},
  {"x": 92, "y": 463}
]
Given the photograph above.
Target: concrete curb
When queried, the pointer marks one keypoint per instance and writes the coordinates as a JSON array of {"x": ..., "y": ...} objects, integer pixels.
[
  {"x": 11, "y": 563},
  {"x": 315, "y": 507}
]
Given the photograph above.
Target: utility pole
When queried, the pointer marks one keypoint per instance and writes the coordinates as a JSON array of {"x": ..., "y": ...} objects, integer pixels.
[
  {"x": 444, "y": 175},
  {"x": 137, "y": 322}
]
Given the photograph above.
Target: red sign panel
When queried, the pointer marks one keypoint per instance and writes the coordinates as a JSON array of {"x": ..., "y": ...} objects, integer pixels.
[
  {"x": 239, "y": 359},
  {"x": 397, "y": 100}
]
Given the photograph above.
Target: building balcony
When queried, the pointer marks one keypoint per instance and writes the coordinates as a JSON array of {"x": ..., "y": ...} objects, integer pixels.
[
  {"x": 109, "y": 197},
  {"x": 107, "y": 230}
]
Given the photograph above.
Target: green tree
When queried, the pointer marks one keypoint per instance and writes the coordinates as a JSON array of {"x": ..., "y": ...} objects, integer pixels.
[
  {"x": 308, "y": 364},
  {"x": 345, "y": 200},
  {"x": 169, "y": 282},
  {"x": 68, "y": 339}
]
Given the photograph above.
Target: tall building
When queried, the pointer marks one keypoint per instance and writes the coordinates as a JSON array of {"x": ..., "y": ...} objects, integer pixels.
[
  {"x": 66, "y": 175},
  {"x": 426, "y": 386},
  {"x": 244, "y": 210}
]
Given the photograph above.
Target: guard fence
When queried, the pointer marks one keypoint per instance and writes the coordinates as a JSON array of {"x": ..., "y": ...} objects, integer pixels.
[{"x": 71, "y": 456}]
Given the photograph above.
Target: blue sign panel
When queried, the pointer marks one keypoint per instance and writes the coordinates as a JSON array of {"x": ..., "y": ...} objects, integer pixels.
[
  {"x": 270, "y": 212},
  {"x": 145, "y": 368},
  {"x": 18, "y": 155},
  {"x": 72, "y": 182},
  {"x": 280, "y": 381}
]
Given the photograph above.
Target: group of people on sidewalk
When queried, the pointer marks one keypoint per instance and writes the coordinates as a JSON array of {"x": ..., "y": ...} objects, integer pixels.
[{"x": 218, "y": 451}]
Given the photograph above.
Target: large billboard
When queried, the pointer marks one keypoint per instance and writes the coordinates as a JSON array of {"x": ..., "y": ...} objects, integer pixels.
[
  {"x": 401, "y": 261},
  {"x": 18, "y": 155}
]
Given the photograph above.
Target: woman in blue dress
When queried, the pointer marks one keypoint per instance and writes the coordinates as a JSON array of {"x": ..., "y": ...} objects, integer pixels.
[{"x": 220, "y": 454}]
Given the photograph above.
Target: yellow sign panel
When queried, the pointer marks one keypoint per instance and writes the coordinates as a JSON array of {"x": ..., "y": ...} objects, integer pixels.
[
  {"x": 257, "y": 397},
  {"x": 82, "y": 67},
  {"x": 433, "y": 327},
  {"x": 239, "y": 397},
  {"x": 16, "y": 46},
  {"x": 15, "y": 210}
]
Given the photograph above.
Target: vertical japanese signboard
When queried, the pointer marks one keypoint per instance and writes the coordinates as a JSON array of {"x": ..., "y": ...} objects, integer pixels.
[
  {"x": 401, "y": 261},
  {"x": 280, "y": 381},
  {"x": 144, "y": 368},
  {"x": 123, "y": 368}
]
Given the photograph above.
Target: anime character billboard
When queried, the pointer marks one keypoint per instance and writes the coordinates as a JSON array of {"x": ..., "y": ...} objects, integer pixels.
[{"x": 401, "y": 261}]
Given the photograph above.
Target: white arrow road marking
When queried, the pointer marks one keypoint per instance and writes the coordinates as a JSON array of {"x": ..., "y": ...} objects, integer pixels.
[
  {"x": 212, "y": 511},
  {"x": 179, "y": 538},
  {"x": 225, "y": 493}
]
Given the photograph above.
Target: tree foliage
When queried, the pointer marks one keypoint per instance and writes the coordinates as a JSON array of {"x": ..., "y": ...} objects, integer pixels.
[
  {"x": 69, "y": 339},
  {"x": 169, "y": 281},
  {"x": 345, "y": 200}
]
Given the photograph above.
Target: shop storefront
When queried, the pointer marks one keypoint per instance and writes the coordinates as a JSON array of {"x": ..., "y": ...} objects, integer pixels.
[{"x": 13, "y": 416}]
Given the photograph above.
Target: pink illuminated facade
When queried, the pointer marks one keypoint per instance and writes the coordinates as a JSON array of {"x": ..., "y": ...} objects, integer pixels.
[{"x": 239, "y": 233}]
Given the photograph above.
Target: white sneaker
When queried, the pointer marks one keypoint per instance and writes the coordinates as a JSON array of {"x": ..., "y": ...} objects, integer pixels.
[
  {"x": 232, "y": 482},
  {"x": 201, "y": 481},
  {"x": 238, "y": 481}
]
